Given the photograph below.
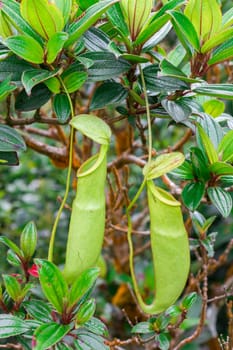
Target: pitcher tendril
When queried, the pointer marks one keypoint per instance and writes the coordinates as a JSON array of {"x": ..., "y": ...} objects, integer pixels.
[{"x": 68, "y": 177}]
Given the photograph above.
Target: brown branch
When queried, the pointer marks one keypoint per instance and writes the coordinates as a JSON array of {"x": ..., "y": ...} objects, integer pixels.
[
  {"x": 58, "y": 153},
  {"x": 124, "y": 229},
  {"x": 126, "y": 159},
  {"x": 11, "y": 346},
  {"x": 182, "y": 141}
]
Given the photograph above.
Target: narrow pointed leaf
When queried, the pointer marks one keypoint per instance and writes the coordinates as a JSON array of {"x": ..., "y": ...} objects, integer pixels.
[
  {"x": 221, "y": 168},
  {"x": 223, "y": 53},
  {"x": 92, "y": 14},
  {"x": 55, "y": 45},
  {"x": 225, "y": 147},
  {"x": 186, "y": 28},
  {"x": 82, "y": 284},
  {"x": 208, "y": 145},
  {"x": 11, "y": 245},
  {"x": 116, "y": 17},
  {"x": 217, "y": 90},
  {"x": 217, "y": 40}
]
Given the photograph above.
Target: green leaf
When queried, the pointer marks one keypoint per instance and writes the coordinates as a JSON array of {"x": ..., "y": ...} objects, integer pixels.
[
  {"x": 225, "y": 147},
  {"x": 116, "y": 17},
  {"x": 96, "y": 326},
  {"x": 105, "y": 66},
  {"x": 227, "y": 18},
  {"x": 142, "y": 328},
  {"x": 12, "y": 9},
  {"x": 33, "y": 77},
  {"x": 13, "y": 287},
  {"x": 157, "y": 21},
  {"x": 163, "y": 341},
  {"x": 163, "y": 84},
  {"x": 11, "y": 245},
  {"x": 6, "y": 87},
  {"x": 9, "y": 158},
  {"x": 11, "y": 326},
  {"x": 55, "y": 45},
  {"x": 206, "y": 17},
  {"x": 217, "y": 39},
  {"x": 61, "y": 106},
  {"x": 221, "y": 168},
  {"x": 65, "y": 7},
  {"x": 150, "y": 29},
  {"x": 212, "y": 128},
  {"x": 85, "y": 311},
  {"x": 186, "y": 28},
  {"x": 73, "y": 81},
  {"x": 199, "y": 164},
  {"x": 13, "y": 259},
  {"x": 223, "y": 53},
  {"x": 192, "y": 194},
  {"x": 26, "y": 47},
  {"x": 163, "y": 164},
  {"x": 13, "y": 67},
  {"x": 49, "y": 334},
  {"x": 96, "y": 40},
  {"x": 82, "y": 284},
  {"x": 108, "y": 93},
  {"x": 185, "y": 171},
  {"x": 189, "y": 300},
  {"x": 217, "y": 90},
  {"x": 93, "y": 13},
  {"x": 221, "y": 200},
  {"x": 10, "y": 139},
  {"x": 43, "y": 16},
  {"x": 177, "y": 110},
  {"x": 169, "y": 69},
  {"x": 38, "y": 310},
  {"x": 208, "y": 244},
  {"x": 28, "y": 240},
  {"x": 92, "y": 127},
  {"x": 208, "y": 145},
  {"x": 93, "y": 341},
  {"x": 40, "y": 94},
  {"x": 52, "y": 283},
  {"x": 214, "y": 107}
]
